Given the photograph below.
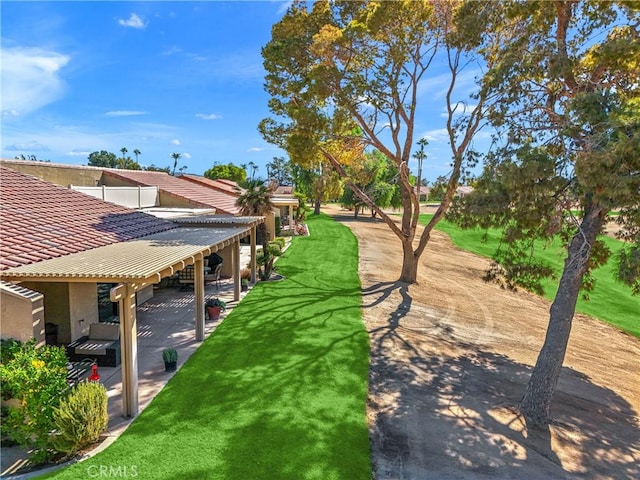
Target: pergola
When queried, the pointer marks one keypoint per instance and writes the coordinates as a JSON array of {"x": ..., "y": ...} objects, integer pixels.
[
  {"x": 138, "y": 263},
  {"x": 286, "y": 201}
]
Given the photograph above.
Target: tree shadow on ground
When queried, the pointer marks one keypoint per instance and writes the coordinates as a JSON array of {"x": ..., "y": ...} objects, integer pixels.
[{"x": 443, "y": 408}]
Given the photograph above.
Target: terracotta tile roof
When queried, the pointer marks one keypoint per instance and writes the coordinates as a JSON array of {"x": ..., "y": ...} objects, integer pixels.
[
  {"x": 283, "y": 190},
  {"x": 190, "y": 192},
  {"x": 226, "y": 186},
  {"x": 40, "y": 221}
]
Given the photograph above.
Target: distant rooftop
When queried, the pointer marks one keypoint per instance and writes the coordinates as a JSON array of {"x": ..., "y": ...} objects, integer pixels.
[
  {"x": 226, "y": 186},
  {"x": 41, "y": 221},
  {"x": 193, "y": 193}
]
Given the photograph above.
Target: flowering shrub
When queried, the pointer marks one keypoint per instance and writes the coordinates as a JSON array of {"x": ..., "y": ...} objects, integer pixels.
[
  {"x": 301, "y": 229},
  {"x": 37, "y": 378}
]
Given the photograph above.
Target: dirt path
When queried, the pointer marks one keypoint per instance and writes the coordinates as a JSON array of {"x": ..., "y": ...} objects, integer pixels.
[{"x": 449, "y": 361}]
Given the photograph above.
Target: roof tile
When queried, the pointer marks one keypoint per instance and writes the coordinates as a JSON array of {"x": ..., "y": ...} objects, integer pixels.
[{"x": 40, "y": 221}]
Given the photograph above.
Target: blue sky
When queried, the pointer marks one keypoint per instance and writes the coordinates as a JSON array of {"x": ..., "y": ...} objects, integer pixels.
[{"x": 160, "y": 77}]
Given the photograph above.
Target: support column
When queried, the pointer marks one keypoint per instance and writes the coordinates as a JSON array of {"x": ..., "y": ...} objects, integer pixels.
[
  {"x": 252, "y": 238},
  {"x": 235, "y": 259},
  {"x": 125, "y": 295},
  {"x": 198, "y": 287}
]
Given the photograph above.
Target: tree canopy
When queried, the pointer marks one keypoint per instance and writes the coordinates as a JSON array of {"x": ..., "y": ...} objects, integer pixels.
[
  {"x": 568, "y": 153},
  {"x": 344, "y": 79},
  {"x": 226, "y": 172}
]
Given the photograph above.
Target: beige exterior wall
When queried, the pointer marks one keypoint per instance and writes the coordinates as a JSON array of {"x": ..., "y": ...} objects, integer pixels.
[
  {"x": 56, "y": 173},
  {"x": 227, "y": 266},
  {"x": 270, "y": 222},
  {"x": 167, "y": 200},
  {"x": 56, "y": 305},
  {"x": 22, "y": 317},
  {"x": 83, "y": 309},
  {"x": 71, "y": 306}
]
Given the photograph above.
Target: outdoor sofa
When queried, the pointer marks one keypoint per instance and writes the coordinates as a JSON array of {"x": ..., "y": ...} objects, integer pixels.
[{"x": 102, "y": 345}]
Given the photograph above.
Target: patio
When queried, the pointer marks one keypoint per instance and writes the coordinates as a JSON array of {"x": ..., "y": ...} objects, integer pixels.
[{"x": 166, "y": 320}]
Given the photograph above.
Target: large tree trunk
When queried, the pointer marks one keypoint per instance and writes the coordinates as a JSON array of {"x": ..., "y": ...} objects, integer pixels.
[
  {"x": 409, "y": 272},
  {"x": 536, "y": 403},
  {"x": 316, "y": 206}
]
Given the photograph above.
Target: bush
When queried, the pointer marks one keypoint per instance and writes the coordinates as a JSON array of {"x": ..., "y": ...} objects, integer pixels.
[
  {"x": 275, "y": 249},
  {"x": 81, "y": 418},
  {"x": 281, "y": 241},
  {"x": 37, "y": 378}
]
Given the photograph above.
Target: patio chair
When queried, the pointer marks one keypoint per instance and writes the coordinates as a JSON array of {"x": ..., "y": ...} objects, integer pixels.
[
  {"x": 215, "y": 275},
  {"x": 186, "y": 278},
  {"x": 102, "y": 344}
]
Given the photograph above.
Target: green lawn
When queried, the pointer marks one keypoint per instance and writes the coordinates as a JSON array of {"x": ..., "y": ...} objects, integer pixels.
[
  {"x": 278, "y": 391},
  {"x": 611, "y": 301}
]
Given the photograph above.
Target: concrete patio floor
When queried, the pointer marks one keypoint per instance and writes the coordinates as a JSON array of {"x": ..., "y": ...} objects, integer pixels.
[{"x": 166, "y": 320}]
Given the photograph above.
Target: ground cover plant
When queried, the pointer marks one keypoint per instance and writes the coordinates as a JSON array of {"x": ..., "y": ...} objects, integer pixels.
[
  {"x": 278, "y": 391},
  {"x": 610, "y": 301}
]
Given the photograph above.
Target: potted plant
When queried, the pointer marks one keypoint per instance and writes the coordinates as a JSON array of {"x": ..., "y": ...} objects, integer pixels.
[
  {"x": 214, "y": 307},
  {"x": 245, "y": 275},
  {"x": 170, "y": 357}
]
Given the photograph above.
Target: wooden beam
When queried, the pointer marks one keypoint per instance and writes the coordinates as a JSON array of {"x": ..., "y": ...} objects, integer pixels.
[
  {"x": 198, "y": 286},
  {"x": 253, "y": 254},
  {"x": 235, "y": 259},
  {"x": 126, "y": 296}
]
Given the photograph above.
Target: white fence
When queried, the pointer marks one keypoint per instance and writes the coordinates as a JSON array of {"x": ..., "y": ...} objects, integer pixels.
[{"x": 130, "y": 197}]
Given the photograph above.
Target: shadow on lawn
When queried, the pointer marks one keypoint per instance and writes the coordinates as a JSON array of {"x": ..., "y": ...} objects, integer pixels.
[
  {"x": 446, "y": 414},
  {"x": 284, "y": 394}
]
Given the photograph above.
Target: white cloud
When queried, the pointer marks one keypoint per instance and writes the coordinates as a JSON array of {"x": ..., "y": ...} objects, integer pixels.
[
  {"x": 78, "y": 153},
  {"x": 30, "y": 79},
  {"x": 134, "y": 21},
  {"x": 256, "y": 149},
  {"x": 186, "y": 155},
  {"x": 124, "y": 113},
  {"x": 283, "y": 8},
  {"x": 436, "y": 135},
  {"x": 175, "y": 142},
  {"x": 172, "y": 51},
  {"x": 459, "y": 109},
  {"x": 30, "y": 146},
  {"x": 211, "y": 116}
]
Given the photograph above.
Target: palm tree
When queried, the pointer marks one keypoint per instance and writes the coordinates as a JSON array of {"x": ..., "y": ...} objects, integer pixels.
[
  {"x": 137, "y": 152},
  {"x": 124, "y": 151},
  {"x": 175, "y": 157},
  {"x": 256, "y": 201}
]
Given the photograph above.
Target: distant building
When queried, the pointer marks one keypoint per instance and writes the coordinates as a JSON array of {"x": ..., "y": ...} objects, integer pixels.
[
  {"x": 463, "y": 190},
  {"x": 422, "y": 193}
]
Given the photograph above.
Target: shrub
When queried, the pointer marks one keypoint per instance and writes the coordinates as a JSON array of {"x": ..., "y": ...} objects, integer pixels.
[
  {"x": 81, "y": 418},
  {"x": 275, "y": 249},
  {"x": 8, "y": 349},
  {"x": 281, "y": 241},
  {"x": 37, "y": 378},
  {"x": 265, "y": 266}
]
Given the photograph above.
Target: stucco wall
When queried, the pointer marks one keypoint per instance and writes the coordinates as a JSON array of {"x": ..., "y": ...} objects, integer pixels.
[
  {"x": 56, "y": 305},
  {"x": 167, "y": 200},
  {"x": 83, "y": 308},
  {"x": 57, "y": 173},
  {"x": 22, "y": 318}
]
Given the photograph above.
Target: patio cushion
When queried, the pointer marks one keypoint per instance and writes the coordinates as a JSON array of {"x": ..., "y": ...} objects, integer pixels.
[
  {"x": 93, "y": 347},
  {"x": 104, "y": 331}
]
